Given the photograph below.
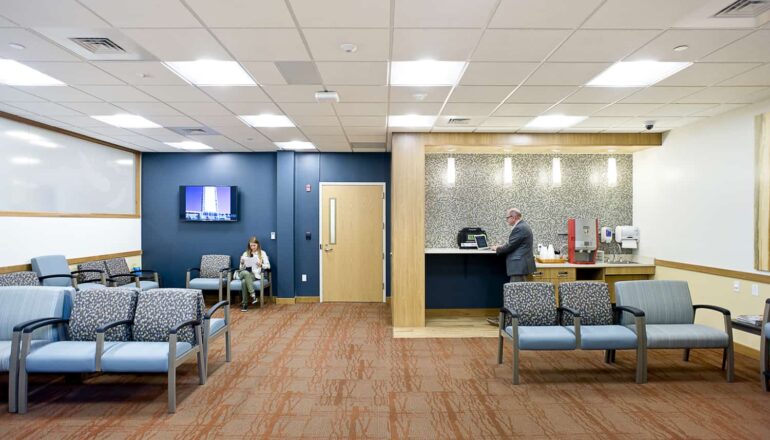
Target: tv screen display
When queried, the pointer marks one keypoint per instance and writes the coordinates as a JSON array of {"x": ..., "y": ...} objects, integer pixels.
[{"x": 201, "y": 203}]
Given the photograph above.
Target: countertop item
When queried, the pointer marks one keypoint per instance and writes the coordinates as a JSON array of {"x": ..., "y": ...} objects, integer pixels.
[{"x": 638, "y": 261}]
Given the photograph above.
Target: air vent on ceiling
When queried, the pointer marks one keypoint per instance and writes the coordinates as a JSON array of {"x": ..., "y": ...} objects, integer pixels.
[
  {"x": 744, "y": 9},
  {"x": 368, "y": 147},
  {"x": 459, "y": 121},
  {"x": 298, "y": 72},
  {"x": 98, "y": 45},
  {"x": 194, "y": 131}
]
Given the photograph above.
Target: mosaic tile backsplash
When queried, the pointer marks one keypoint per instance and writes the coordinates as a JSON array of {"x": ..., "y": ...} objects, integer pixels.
[{"x": 478, "y": 198}]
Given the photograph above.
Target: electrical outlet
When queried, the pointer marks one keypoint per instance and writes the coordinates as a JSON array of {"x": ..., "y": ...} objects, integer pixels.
[
  {"x": 754, "y": 289},
  {"x": 304, "y": 278},
  {"x": 272, "y": 235},
  {"x": 736, "y": 286}
]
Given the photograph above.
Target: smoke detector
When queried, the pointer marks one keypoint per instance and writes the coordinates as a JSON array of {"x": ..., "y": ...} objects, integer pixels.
[
  {"x": 348, "y": 47},
  {"x": 327, "y": 96}
]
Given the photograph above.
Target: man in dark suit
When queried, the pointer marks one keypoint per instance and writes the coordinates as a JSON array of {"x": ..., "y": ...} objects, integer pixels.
[{"x": 519, "y": 257}]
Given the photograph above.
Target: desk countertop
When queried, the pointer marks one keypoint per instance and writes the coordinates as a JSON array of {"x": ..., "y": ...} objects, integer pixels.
[{"x": 639, "y": 261}]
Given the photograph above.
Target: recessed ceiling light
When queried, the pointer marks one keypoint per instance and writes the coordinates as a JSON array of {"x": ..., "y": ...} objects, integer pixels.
[
  {"x": 211, "y": 73},
  {"x": 17, "y": 46},
  {"x": 44, "y": 143},
  {"x": 14, "y": 73},
  {"x": 554, "y": 121},
  {"x": 295, "y": 145},
  {"x": 124, "y": 120},
  {"x": 189, "y": 145},
  {"x": 348, "y": 47},
  {"x": 266, "y": 120},
  {"x": 681, "y": 48},
  {"x": 20, "y": 160},
  {"x": 411, "y": 121},
  {"x": 636, "y": 73},
  {"x": 419, "y": 96},
  {"x": 425, "y": 73},
  {"x": 144, "y": 75}
]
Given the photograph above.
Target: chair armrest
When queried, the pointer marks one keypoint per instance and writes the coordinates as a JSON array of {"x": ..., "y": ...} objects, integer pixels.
[
  {"x": 193, "y": 269},
  {"x": 710, "y": 307},
  {"x": 110, "y": 325},
  {"x": 571, "y": 311},
  {"x": 215, "y": 307},
  {"x": 19, "y": 327},
  {"x": 507, "y": 311},
  {"x": 46, "y": 322},
  {"x": 130, "y": 275},
  {"x": 45, "y": 277},
  {"x": 173, "y": 330},
  {"x": 87, "y": 271},
  {"x": 632, "y": 310},
  {"x": 150, "y": 271}
]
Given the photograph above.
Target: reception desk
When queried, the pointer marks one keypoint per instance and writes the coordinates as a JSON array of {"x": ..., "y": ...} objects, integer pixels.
[{"x": 473, "y": 278}]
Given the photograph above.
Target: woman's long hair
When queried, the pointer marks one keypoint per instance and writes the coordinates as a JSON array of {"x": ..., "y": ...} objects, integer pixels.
[{"x": 248, "y": 247}]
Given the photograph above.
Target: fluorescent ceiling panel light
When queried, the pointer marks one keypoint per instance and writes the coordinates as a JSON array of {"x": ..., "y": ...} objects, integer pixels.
[
  {"x": 507, "y": 171},
  {"x": 425, "y": 73},
  {"x": 18, "y": 134},
  {"x": 556, "y": 172},
  {"x": 14, "y": 73},
  {"x": 555, "y": 121},
  {"x": 451, "y": 173},
  {"x": 43, "y": 143},
  {"x": 211, "y": 72},
  {"x": 411, "y": 121},
  {"x": 25, "y": 160},
  {"x": 636, "y": 73},
  {"x": 125, "y": 120},
  {"x": 295, "y": 145},
  {"x": 612, "y": 172},
  {"x": 189, "y": 145},
  {"x": 266, "y": 121}
]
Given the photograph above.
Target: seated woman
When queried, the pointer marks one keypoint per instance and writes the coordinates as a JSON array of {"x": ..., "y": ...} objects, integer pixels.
[{"x": 253, "y": 261}]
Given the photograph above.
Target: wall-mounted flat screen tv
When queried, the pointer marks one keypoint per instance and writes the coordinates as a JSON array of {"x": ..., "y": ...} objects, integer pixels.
[{"x": 203, "y": 203}]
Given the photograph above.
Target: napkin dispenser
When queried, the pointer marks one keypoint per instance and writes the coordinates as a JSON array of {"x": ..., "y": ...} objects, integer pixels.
[{"x": 627, "y": 236}]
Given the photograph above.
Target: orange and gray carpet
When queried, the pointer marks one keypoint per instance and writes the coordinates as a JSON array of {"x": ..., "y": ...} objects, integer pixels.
[{"x": 329, "y": 371}]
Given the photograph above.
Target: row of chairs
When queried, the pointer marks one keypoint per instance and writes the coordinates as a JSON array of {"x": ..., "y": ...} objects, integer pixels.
[
  {"x": 648, "y": 315},
  {"x": 216, "y": 273},
  {"x": 58, "y": 330}
]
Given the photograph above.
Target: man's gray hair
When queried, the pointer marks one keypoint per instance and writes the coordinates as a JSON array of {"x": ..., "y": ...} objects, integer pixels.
[{"x": 514, "y": 212}]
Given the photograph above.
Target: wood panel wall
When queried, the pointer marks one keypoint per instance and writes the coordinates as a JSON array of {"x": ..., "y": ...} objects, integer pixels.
[{"x": 762, "y": 194}]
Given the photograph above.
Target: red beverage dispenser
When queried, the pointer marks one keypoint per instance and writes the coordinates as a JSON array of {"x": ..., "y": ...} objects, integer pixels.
[{"x": 582, "y": 240}]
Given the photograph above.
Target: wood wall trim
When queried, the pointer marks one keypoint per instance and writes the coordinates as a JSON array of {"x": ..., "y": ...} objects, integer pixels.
[
  {"x": 306, "y": 299},
  {"x": 453, "y": 313},
  {"x": 762, "y": 193},
  {"x": 537, "y": 149},
  {"x": 728, "y": 273},
  {"x": 746, "y": 350},
  {"x": 27, "y": 267},
  {"x": 538, "y": 139},
  {"x": 285, "y": 300},
  {"x": 64, "y": 214}
]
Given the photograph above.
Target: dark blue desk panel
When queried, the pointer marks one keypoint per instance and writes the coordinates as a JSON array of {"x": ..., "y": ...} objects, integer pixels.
[{"x": 457, "y": 281}]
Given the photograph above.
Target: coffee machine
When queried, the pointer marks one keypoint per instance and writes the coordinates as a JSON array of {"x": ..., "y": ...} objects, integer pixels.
[{"x": 582, "y": 240}]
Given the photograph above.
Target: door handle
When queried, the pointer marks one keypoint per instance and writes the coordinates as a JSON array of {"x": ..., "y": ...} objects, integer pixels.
[{"x": 328, "y": 248}]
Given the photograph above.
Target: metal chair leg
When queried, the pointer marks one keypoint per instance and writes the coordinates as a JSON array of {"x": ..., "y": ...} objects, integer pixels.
[
  {"x": 686, "y": 355},
  {"x": 730, "y": 363},
  {"x": 499, "y": 349}
]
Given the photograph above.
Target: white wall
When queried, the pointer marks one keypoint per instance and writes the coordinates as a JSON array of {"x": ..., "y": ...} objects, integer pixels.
[
  {"x": 22, "y": 238},
  {"x": 694, "y": 196}
]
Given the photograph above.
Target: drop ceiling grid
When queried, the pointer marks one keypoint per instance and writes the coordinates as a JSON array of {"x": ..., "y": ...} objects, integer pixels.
[{"x": 99, "y": 83}]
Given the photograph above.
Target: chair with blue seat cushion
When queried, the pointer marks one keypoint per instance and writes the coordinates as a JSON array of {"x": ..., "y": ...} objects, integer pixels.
[
  {"x": 530, "y": 319},
  {"x": 599, "y": 329},
  {"x": 24, "y": 278},
  {"x": 212, "y": 273},
  {"x": 234, "y": 283},
  {"x": 216, "y": 327},
  {"x": 79, "y": 351},
  {"x": 670, "y": 316},
  {"x": 53, "y": 270},
  {"x": 764, "y": 348},
  {"x": 25, "y": 305},
  {"x": 166, "y": 332}
]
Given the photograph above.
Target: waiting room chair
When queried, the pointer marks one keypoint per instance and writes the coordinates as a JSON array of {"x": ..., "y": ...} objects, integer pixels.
[
  {"x": 670, "y": 317},
  {"x": 236, "y": 284},
  {"x": 24, "y": 278},
  {"x": 21, "y": 306},
  {"x": 214, "y": 328},
  {"x": 764, "y": 348},
  {"x": 598, "y": 328},
  {"x": 530, "y": 319},
  {"x": 212, "y": 274},
  {"x": 122, "y": 276},
  {"x": 53, "y": 270}
]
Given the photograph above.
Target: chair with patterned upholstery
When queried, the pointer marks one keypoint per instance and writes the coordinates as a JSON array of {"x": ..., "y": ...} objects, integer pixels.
[
  {"x": 212, "y": 274},
  {"x": 234, "y": 283},
  {"x": 24, "y": 278},
  {"x": 53, "y": 270},
  {"x": 530, "y": 319},
  {"x": 80, "y": 351},
  {"x": 216, "y": 327},
  {"x": 599, "y": 328},
  {"x": 21, "y": 306},
  {"x": 764, "y": 348},
  {"x": 166, "y": 332},
  {"x": 670, "y": 319},
  {"x": 119, "y": 273}
]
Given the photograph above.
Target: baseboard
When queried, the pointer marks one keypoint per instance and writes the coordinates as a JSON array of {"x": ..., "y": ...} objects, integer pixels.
[
  {"x": 746, "y": 350},
  {"x": 441, "y": 313},
  {"x": 284, "y": 300},
  {"x": 306, "y": 299}
]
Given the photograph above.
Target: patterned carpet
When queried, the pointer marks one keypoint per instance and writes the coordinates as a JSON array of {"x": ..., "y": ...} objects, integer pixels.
[{"x": 331, "y": 371}]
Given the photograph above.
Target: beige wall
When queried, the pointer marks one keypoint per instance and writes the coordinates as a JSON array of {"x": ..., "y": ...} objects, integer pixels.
[
  {"x": 718, "y": 290},
  {"x": 132, "y": 261}
]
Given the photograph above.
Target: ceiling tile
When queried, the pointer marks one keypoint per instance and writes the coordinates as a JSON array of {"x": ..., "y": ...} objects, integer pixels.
[
  {"x": 148, "y": 108},
  {"x": 252, "y": 108},
  {"x": 541, "y": 94},
  {"x": 342, "y": 13},
  {"x": 468, "y": 109},
  {"x": 217, "y": 122},
  {"x": 365, "y": 138},
  {"x": 496, "y": 74},
  {"x": 626, "y": 109},
  {"x": 661, "y": 95},
  {"x": 141, "y": 72},
  {"x": 291, "y": 93},
  {"x": 700, "y": 43},
  {"x": 542, "y": 13},
  {"x": 521, "y": 109},
  {"x": 363, "y": 121},
  {"x": 361, "y": 108},
  {"x": 419, "y": 94},
  {"x": 508, "y": 45},
  {"x": 75, "y": 73},
  {"x": 328, "y": 140},
  {"x": 6, "y": 23},
  {"x": 434, "y": 44},
  {"x": 302, "y": 109},
  {"x": 36, "y": 48},
  {"x": 372, "y": 44},
  {"x": 218, "y": 142},
  {"x": 135, "y": 13},
  {"x": 9, "y": 94},
  {"x": 334, "y": 148},
  {"x": 160, "y": 134},
  {"x": 264, "y": 72},
  {"x": 366, "y": 131},
  {"x": 650, "y": 14},
  {"x": 263, "y": 44},
  {"x": 316, "y": 120},
  {"x": 443, "y": 121},
  {"x": 201, "y": 109},
  {"x": 415, "y": 108},
  {"x": 362, "y": 93},
  {"x": 353, "y": 73},
  {"x": 755, "y": 77},
  {"x": 706, "y": 74},
  {"x": 185, "y": 93},
  {"x": 507, "y": 121},
  {"x": 678, "y": 109},
  {"x": 46, "y": 109},
  {"x": 442, "y": 13},
  {"x": 283, "y": 134},
  {"x": 750, "y": 48},
  {"x": 117, "y": 93},
  {"x": 574, "y": 109},
  {"x": 175, "y": 121},
  {"x": 718, "y": 110},
  {"x": 242, "y": 13},
  {"x": 480, "y": 93},
  {"x": 179, "y": 44},
  {"x": 601, "y": 45},
  {"x": 236, "y": 94},
  {"x": 721, "y": 95},
  {"x": 60, "y": 94},
  {"x": 82, "y": 121},
  {"x": 95, "y": 108},
  {"x": 49, "y": 13},
  {"x": 110, "y": 131},
  {"x": 604, "y": 95},
  {"x": 599, "y": 122},
  {"x": 322, "y": 130},
  {"x": 565, "y": 74}
]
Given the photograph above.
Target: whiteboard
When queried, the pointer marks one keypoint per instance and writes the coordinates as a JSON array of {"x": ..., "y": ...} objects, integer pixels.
[{"x": 44, "y": 171}]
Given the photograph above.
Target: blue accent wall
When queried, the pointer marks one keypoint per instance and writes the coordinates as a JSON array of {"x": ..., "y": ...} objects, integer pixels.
[
  {"x": 284, "y": 190},
  {"x": 171, "y": 245},
  {"x": 306, "y": 209}
]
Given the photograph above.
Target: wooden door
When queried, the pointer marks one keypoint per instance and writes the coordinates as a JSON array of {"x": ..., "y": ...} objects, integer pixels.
[{"x": 352, "y": 252}]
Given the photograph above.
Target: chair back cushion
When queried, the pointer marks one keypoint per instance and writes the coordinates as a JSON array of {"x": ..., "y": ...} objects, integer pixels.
[
  {"x": 91, "y": 277},
  {"x": 590, "y": 299},
  {"x": 52, "y": 265},
  {"x": 95, "y": 307},
  {"x": 117, "y": 266},
  {"x": 212, "y": 264},
  {"x": 25, "y": 278},
  {"x": 159, "y": 310},
  {"x": 24, "y": 303},
  {"x": 534, "y": 302},
  {"x": 663, "y": 302}
]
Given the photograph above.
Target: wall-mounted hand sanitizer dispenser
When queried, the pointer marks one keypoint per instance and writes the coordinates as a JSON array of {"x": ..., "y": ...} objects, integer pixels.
[
  {"x": 606, "y": 235},
  {"x": 627, "y": 236}
]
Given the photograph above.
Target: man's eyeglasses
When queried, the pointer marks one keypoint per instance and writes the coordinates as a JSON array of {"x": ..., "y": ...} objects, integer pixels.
[{"x": 508, "y": 216}]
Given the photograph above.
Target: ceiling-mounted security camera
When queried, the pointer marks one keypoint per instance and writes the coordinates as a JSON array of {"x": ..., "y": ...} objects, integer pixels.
[{"x": 649, "y": 125}]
